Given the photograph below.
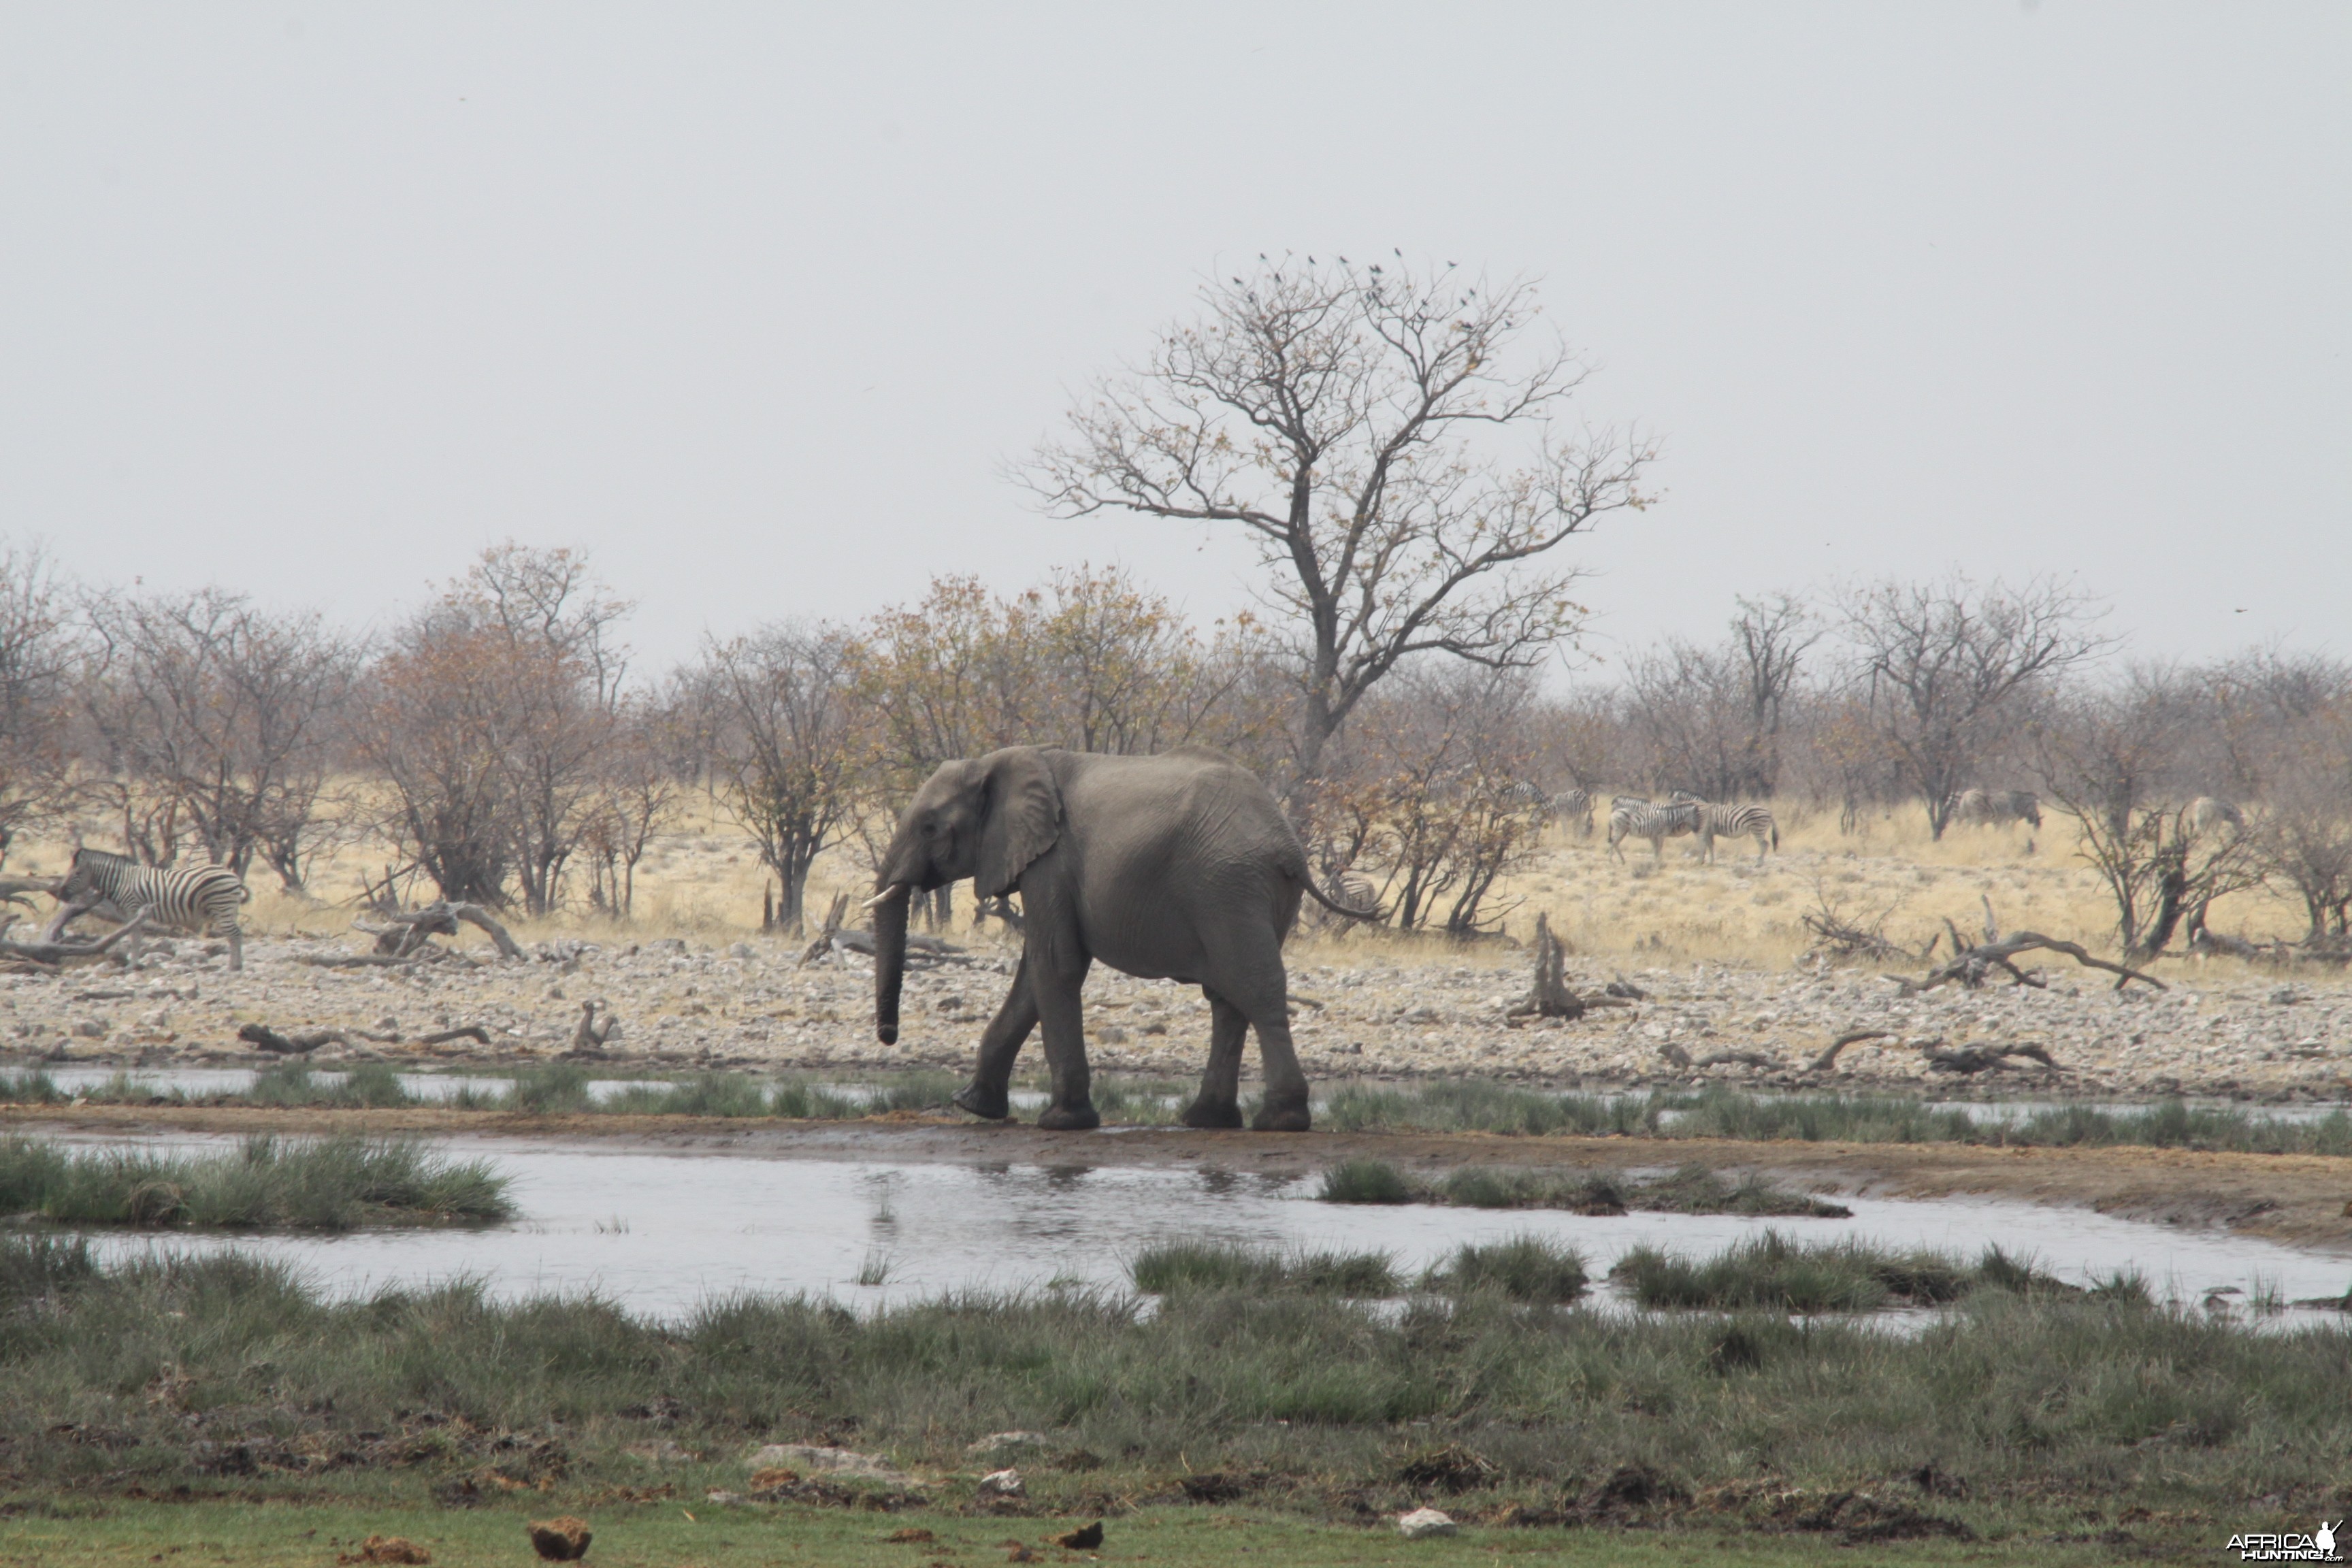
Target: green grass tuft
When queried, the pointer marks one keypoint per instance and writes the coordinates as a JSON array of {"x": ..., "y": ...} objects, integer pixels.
[
  {"x": 1366, "y": 1181},
  {"x": 330, "y": 1183},
  {"x": 1194, "y": 1265},
  {"x": 1773, "y": 1273},
  {"x": 1524, "y": 1267}
]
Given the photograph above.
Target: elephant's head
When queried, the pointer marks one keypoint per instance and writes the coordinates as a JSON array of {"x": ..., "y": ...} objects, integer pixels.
[{"x": 985, "y": 818}]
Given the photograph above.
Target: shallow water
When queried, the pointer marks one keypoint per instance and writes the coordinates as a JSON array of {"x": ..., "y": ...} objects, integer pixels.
[
  {"x": 441, "y": 1087},
  {"x": 201, "y": 1083},
  {"x": 662, "y": 1231}
]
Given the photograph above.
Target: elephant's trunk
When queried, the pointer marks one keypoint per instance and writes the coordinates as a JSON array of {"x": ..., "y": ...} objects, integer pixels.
[{"x": 889, "y": 961}]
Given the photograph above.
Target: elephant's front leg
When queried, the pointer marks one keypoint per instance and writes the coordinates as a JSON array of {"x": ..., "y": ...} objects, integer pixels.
[
  {"x": 1219, "y": 1103},
  {"x": 1059, "y": 1015},
  {"x": 989, "y": 1094}
]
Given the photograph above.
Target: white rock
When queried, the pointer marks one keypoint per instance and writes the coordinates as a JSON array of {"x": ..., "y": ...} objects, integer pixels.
[
  {"x": 1424, "y": 1521},
  {"x": 997, "y": 1441},
  {"x": 1003, "y": 1483}
]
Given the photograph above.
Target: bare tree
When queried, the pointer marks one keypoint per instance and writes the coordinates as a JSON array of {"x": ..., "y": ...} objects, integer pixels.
[
  {"x": 787, "y": 749},
  {"x": 1347, "y": 419},
  {"x": 1772, "y": 637},
  {"x": 1427, "y": 791},
  {"x": 637, "y": 795},
  {"x": 1944, "y": 666},
  {"x": 494, "y": 706},
  {"x": 220, "y": 719},
  {"x": 2110, "y": 760},
  {"x": 37, "y": 657}
]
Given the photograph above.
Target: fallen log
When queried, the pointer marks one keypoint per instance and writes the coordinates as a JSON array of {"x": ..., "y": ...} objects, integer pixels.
[
  {"x": 355, "y": 960},
  {"x": 1827, "y": 1060},
  {"x": 1735, "y": 1058},
  {"x": 463, "y": 1032},
  {"x": 404, "y": 934},
  {"x": 56, "y": 953},
  {"x": 262, "y": 1037},
  {"x": 1971, "y": 967},
  {"x": 1971, "y": 1059}
]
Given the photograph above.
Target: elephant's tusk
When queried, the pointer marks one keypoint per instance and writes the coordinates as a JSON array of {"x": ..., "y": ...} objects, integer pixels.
[{"x": 884, "y": 896}]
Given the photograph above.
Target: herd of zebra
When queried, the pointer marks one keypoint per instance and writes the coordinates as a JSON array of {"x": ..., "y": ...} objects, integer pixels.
[{"x": 1631, "y": 816}]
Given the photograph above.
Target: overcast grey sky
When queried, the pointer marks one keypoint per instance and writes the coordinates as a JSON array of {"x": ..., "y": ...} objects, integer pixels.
[{"x": 756, "y": 302}]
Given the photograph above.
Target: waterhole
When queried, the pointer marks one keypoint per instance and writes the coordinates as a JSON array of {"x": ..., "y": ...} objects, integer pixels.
[{"x": 661, "y": 1230}]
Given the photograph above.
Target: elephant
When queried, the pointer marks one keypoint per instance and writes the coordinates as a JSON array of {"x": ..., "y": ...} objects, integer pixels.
[{"x": 1179, "y": 866}]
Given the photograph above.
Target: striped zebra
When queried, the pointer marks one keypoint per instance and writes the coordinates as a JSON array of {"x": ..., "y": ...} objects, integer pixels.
[
  {"x": 1362, "y": 900},
  {"x": 1657, "y": 821},
  {"x": 2207, "y": 813},
  {"x": 1574, "y": 805},
  {"x": 1994, "y": 807},
  {"x": 1731, "y": 822},
  {"x": 187, "y": 898}
]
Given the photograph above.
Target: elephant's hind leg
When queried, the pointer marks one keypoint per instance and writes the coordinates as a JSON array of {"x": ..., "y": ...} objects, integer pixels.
[
  {"x": 989, "y": 1094},
  {"x": 1219, "y": 1101}
]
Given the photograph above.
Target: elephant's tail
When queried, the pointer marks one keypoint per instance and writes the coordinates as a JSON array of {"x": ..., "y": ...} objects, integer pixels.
[{"x": 1372, "y": 913}]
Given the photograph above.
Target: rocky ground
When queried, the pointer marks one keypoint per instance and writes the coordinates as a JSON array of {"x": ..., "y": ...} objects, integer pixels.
[{"x": 1366, "y": 1010}]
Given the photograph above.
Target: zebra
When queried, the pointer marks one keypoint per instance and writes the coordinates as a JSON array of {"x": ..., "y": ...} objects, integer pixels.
[
  {"x": 1732, "y": 822},
  {"x": 2207, "y": 812},
  {"x": 189, "y": 898},
  {"x": 1994, "y": 807},
  {"x": 1630, "y": 816},
  {"x": 1574, "y": 805},
  {"x": 1355, "y": 890}
]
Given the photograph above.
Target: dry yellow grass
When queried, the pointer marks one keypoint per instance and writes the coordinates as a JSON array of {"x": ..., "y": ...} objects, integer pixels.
[{"x": 702, "y": 880}]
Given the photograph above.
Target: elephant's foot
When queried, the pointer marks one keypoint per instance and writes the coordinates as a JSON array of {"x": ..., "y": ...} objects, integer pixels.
[
  {"x": 988, "y": 1104},
  {"x": 1212, "y": 1113},
  {"x": 1081, "y": 1118},
  {"x": 1282, "y": 1116}
]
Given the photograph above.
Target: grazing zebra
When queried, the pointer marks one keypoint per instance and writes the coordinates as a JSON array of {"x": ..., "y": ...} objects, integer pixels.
[
  {"x": 1994, "y": 807},
  {"x": 1633, "y": 817},
  {"x": 1574, "y": 805},
  {"x": 189, "y": 898},
  {"x": 2207, "y": 812},
  {"x": 1732, "y": 821}
]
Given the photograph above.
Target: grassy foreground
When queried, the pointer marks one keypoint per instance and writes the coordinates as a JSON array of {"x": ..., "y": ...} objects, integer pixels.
[
  {"x": 326, "y": 1184},
  {"x": 2022, "y": 1417},
  {"x": 286, "y": 1532}
]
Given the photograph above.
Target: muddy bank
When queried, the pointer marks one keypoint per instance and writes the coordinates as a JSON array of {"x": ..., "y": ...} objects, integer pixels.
[{"x": 2295, "y": 1199}]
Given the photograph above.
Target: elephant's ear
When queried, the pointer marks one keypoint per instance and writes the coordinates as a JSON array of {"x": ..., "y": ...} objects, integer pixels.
[{"x": 1024, "y": 817}]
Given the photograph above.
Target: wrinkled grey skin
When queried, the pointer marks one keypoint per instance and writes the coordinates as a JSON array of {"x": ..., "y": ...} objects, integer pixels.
[{"x": 1178, "y": 867}]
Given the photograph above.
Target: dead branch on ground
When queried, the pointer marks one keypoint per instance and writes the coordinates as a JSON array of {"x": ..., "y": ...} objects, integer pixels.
[
  {"x": 55, "y": 954},
  {"x": 1969, "y": 1060},
  {"x": 834, "y": 914},
  {"x": 590, "y": 1038},
  {"x": 403, "y": 935},
  {"x": 1973, "y": 965},
  {"x": 1827, "y": 1060},
  {"x": 1548, "y": 995},
  {"x": 1841, "y": 935}
]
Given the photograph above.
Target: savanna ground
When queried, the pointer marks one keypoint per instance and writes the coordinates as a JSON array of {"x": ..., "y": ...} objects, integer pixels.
[
  {"x": 201, "y": 1417},
  {"x": 1717, "y": 950}
]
